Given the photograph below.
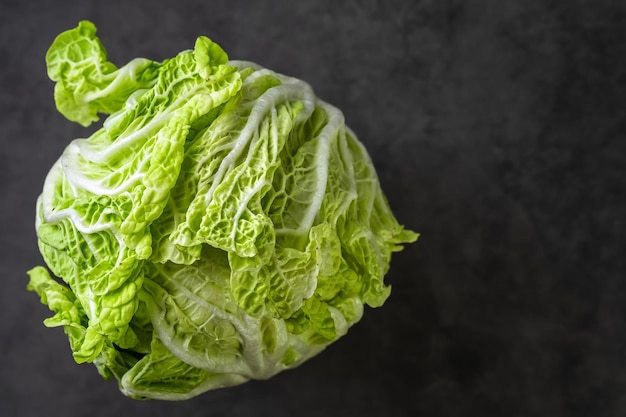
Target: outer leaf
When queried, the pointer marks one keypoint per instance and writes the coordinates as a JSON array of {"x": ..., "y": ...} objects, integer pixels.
[
  {"x": 60, "y": 299},
  {"x": 87, "y": 83},
  {"x": 69, "y": 314},
  {"x": 161, "y": 375},
  {"x": 234, "y": 163},
  {"x": 197, "y": 318}
]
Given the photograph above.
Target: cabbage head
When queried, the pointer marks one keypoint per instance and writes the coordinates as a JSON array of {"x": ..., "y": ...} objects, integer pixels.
[{"x": 222, "y": 225}]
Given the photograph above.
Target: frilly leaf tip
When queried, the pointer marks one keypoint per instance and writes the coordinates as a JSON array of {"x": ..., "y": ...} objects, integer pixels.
[
  {"x": 86, "y": 27},
  {"x": 208, "y": 55}
]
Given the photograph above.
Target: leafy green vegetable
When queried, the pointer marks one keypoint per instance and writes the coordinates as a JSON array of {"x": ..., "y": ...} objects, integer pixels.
[{"x": 223, "y": 224}]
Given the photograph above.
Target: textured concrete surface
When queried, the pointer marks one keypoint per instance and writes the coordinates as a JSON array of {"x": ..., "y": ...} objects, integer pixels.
[{"x": 498, "y": 129}]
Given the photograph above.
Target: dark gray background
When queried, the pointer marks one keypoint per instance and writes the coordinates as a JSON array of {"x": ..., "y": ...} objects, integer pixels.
[{"x": 498, "y": 130}]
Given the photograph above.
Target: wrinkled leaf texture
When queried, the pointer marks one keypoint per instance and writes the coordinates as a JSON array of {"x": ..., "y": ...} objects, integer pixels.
[{"x": 223, "y": 224}]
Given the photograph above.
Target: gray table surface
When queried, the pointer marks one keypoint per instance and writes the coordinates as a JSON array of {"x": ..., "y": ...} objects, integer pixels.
[{"x": 498, "y": 131}]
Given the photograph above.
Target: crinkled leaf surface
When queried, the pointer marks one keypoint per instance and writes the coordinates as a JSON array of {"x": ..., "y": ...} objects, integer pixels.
[{"x": 222, "y": 225}]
